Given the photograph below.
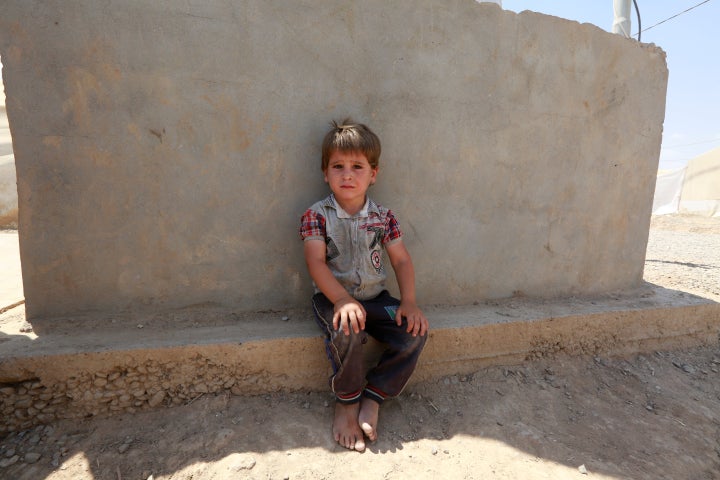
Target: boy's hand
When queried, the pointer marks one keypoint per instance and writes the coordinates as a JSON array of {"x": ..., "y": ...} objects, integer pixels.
[
  {"x": 417, "y": 323},
  {"x": 349, "y": 314}
]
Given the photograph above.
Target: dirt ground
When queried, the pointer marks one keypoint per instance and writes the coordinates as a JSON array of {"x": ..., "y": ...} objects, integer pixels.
[{"x": 649, "y": 416}]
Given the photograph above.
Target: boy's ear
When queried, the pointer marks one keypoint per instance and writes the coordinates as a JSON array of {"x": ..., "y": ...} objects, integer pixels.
[
  {"x": 325, "y": 175},
  {"x": 374, "y": 175}
]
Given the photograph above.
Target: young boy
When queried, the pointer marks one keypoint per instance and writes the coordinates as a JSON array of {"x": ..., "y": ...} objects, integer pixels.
[{"x": 344, "y": 236}]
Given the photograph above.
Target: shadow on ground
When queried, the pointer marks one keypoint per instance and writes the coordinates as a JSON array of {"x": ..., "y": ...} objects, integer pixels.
[{"x": 646, "y": 416}]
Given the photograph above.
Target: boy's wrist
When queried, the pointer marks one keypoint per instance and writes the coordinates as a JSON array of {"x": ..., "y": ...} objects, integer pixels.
[
  {"x": 344, "y": 299},
  {"x": 407, "y": 301}
]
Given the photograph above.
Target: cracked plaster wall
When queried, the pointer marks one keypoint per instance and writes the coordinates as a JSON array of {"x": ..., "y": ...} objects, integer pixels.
[{"x": 166, "y": 150}]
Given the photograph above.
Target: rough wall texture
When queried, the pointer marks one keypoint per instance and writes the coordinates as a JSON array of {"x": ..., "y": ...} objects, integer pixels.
[{"x": 166, "y": 150}]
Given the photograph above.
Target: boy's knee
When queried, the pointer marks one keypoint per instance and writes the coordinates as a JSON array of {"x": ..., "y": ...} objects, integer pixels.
[
  {"x": 409, "y": 344},
  {"x": 420, "y": 341},
  {"x": 341, "y": 340}
]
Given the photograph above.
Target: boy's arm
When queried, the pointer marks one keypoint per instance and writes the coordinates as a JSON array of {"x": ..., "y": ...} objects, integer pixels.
[
  {"x": 405, "y": 274},
  {"x": 348, "y": 311}
]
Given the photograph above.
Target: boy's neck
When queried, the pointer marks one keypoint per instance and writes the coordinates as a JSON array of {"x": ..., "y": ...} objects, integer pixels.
[{"x": 351, "y": 208}]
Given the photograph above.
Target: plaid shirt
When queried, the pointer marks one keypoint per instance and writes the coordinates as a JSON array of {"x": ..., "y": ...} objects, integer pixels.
[{"x": 354, "y": 243}]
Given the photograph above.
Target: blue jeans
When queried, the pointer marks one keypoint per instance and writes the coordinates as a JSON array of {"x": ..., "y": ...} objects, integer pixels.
[{"x": 349, "y": 380}]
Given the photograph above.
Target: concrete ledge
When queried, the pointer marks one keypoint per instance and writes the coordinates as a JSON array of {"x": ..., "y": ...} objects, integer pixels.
[{"x": 91, "y": 367}]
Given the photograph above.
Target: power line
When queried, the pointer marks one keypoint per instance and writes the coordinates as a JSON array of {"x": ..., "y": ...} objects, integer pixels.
[
  {"x": 670, "y": 18},
  {"x": 696, "y": 143}
]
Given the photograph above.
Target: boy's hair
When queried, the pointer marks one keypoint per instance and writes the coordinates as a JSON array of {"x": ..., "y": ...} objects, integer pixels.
[{"x": 349, "y": 136}]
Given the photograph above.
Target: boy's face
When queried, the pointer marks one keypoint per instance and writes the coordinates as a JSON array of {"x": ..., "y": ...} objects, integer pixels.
[{"x": 349, "y": 175}]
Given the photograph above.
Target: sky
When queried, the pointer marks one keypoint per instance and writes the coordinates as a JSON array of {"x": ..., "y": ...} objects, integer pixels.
[{"x": 692, "y": 44}]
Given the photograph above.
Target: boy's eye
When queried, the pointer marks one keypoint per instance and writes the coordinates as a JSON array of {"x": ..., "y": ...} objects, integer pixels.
[
  {"x": 358, "y": 166},
  {"x": 337, "y": 166}
]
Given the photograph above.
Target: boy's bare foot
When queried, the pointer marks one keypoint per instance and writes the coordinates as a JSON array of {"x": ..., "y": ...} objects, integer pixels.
[
  {"x": 368, "y": 418},
  {"x": 346, "y": 429}
]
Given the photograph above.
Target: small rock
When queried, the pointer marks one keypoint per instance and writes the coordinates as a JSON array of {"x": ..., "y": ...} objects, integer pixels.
[
  {"x": 157, "y": 399},
  {"x": 123, "y": 448},
  {"x": 684, "y": 367},
  {"x": 140, "y": 325},
  {"x": 32, "y": 457},
  {"x": 10, "y": 453},
  {"x": 9, "y": 461},
  {"x": 285, "y": 318},
  {"x": 26, "y": 327},
  {"x": 434, "y": 451},
  {"x": 35, "y": 439},
  {"x": 242, "y": 462},
  {"x": 582, "y": 469}
]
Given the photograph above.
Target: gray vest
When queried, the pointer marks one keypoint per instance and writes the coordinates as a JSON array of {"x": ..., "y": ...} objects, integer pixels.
[{"x": 355, "y": 246}]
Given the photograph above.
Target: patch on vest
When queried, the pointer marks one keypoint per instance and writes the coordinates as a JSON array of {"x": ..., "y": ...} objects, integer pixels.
[
  {"x": 332, "y": 249},
  {"x": 376, "y": 260},
  {"x": 378, "y": 233}
]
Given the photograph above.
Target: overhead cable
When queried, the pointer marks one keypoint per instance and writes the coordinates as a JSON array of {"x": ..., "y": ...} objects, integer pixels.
[{"x": 667, "y": 19}]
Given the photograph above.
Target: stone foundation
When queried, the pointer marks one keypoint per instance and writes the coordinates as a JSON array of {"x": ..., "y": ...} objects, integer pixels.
[
  {"x": 42, "y": 379},
  {"x": 124, "y": 389}
]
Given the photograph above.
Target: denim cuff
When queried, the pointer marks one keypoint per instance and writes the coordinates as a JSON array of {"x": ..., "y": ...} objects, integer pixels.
[
  {"x": 349, "y": 398},
  {"x": 374, "y": 394}
]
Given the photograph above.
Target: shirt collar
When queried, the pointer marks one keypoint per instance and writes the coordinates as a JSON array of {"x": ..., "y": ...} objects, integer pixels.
[{"x": 368, "y": 207}]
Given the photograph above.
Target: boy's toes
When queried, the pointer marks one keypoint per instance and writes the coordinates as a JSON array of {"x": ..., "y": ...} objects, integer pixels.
[
  {"x": 343, "y": 441},
  {"x": 351, "y": 442},
  {"x": 360, "y": 445},
  {"x": 369, "y": 431}
]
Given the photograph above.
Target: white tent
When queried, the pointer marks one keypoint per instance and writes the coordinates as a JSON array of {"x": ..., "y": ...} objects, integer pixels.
[{"x": 693, "y": 189}]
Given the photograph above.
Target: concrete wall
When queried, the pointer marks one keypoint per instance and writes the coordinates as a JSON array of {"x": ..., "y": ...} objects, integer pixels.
[{"x": 165, "y": 150}]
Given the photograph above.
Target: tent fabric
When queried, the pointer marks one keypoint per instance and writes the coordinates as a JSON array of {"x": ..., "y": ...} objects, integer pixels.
[
  {"x": 668, "y": 187},
  {"x": 694, "y": 189},
  {"x": 701, "y": 187}
]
